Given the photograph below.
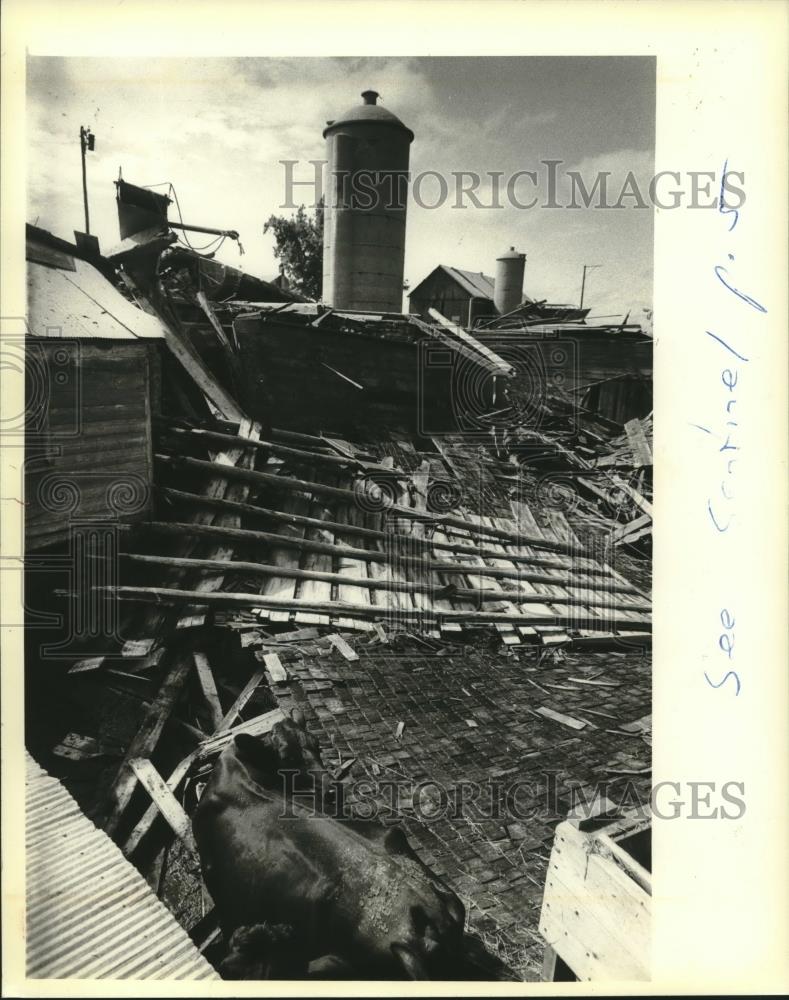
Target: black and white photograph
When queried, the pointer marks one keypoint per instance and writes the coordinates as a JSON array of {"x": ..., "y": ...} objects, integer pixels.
[{"x": 335, "y": 477}]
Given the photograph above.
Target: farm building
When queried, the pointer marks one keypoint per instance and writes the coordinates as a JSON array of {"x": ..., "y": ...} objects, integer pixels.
[
  {"x": 461, "y": 296},
  {"x": 92, "y": 390},
  {"x": 397, "y": 547}
]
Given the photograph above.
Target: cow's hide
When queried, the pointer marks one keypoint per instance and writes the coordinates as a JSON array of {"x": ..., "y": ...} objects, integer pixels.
[{"x": 300, "y": 893}]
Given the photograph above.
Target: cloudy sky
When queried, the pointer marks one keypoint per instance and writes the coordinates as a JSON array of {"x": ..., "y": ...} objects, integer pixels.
[{"x": 217, "y": 129}]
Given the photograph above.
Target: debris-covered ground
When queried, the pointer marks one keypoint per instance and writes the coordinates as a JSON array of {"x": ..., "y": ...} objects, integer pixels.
[{"x": 463, "y": 618}]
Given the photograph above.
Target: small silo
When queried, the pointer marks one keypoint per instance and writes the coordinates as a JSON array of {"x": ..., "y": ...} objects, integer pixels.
[
  {"x": 368, "y": 151},
  {"x": 508, "y": 287}
]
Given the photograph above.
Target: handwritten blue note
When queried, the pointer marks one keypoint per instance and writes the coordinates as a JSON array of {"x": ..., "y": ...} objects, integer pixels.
[{"x": 731, "y": 360}]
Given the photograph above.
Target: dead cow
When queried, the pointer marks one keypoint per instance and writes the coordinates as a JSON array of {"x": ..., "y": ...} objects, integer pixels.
[{"x": 300, "y": 893}]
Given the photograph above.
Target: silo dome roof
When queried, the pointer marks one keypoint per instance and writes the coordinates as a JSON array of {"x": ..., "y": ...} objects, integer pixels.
[
  {"x": 369, "y": 111},
  {"x": 511, "y": 254}
]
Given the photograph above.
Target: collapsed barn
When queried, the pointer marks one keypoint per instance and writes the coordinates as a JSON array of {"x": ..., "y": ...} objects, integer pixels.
[{"x": 412, "y": 529}]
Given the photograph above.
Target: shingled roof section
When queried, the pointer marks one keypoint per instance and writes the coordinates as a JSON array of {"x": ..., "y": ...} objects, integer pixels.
[{"x": 474, "y": 282}]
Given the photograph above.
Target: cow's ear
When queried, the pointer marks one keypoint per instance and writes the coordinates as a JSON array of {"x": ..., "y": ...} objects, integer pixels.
[{"x": 411, "y": 962}]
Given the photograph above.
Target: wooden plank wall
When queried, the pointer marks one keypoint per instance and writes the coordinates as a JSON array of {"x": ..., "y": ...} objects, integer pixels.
[{"x": 93, "y": 441}]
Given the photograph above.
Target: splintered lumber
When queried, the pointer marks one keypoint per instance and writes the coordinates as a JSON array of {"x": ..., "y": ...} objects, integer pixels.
[
  {"x": 76, "y": 747},
  {"x": 566, "y": 720},
  {"x": 282, "y": 584},
  {"x": 299, "y": 437},
  {"x": 633, "y": 530},
  {"x": 342, "y": 647},
  {"x": 274, "y": 666},
  {"x": 392, "y": 556},
  {"x": 229, "y": 599},
  {"x": 181, "y": 348},
  {"x": 91, "y": 663},
  {"x": 357, "y": 516},
  {"x": 549, "y": 591},
  {"x": 273, "y": 448},
  {"x": 349, "y": 565},
  {"x": 134, "y": 648},
  {"x": 236, "y": 708},
  {"x": 258, "y": 726},
  {"x": 299, "y": 635},
  {"x": 208, "y": 687},
  {"x": 639, "y": 445},
  {"x": 221, "y": 336},
  {"x": 625, "y": 488},
  {"x": 512, "y": 638},
  {"x": 167, "y": 804},
  {"x": 324, "y": 526},
  {"x": 241, "y": 457},
  {"x": 501, "y": 366},
  {"x": 372, "y": 493},
  {"x": 146, "y": 737},
  {"x": 452, "y": 601},
  {"x": 316, "y": 562},
  {"x": 485, "y": 582},
  {"x": 414, "y": 572},
  {"x": 149, "y": 817},
  {"x": 596, "y": 909},
  {"x": 529, "y": 587}
]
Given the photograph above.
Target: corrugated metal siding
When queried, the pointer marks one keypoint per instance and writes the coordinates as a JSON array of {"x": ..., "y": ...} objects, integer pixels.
[
  {"x": 88, "y": 435},
  {"x": 90, "y": 914}
]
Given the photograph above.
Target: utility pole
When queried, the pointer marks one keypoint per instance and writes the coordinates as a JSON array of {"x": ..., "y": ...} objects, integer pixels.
[
  {"x": 587, "y": 267},
  {"x": 87, "y": 141}
]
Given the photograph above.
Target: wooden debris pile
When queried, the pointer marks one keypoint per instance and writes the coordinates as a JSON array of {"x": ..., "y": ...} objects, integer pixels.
[{"x": 584, "y": 464}]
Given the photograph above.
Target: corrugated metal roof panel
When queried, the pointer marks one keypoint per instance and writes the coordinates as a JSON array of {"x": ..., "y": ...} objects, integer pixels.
[
  {"x": 90, "y": 914},
  {"x": 82, "y": 303}
]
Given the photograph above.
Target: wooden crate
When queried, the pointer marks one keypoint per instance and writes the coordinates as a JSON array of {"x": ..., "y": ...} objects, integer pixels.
[{"x": 596, "y": 911}]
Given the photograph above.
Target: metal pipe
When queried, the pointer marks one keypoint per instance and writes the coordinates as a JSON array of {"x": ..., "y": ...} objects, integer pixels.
[{"x": 231, "y": 233}]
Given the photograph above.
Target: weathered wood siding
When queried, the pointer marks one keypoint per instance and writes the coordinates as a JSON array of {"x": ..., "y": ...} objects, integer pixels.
[
  {"x": 412, "y": 386},
  {"x": 88, "y": 433},
  {"x": 581, "y": 356}
]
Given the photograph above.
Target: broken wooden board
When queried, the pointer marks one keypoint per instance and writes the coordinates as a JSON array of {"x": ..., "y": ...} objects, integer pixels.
[
  {"x": 144, "y": 825},
  {"x": 566, "y": 720},
  {"x": 208, "y": 687},
  {"x": 284, "y": 586},
  {"x": 639, "y": 445},
  {"x": 91, "y": 663},
  {"x": 643, "y": 725},
  {"x": 235, "y": 709},
  {"x": 167, "y": 804},
  {"x": 76, "y": 747},
  {"x": 146, "y": 738},
  {"x": 623, "y": 532},
  {"x": 258, "y": 726},
  {"x": 218, "y": 486},
  {"x": 598, "y": 916},
  {"x": 342, "y": 647},
  {"x": 276, "y": 671}
]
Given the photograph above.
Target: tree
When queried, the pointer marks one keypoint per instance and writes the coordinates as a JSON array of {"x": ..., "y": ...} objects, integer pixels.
[{"x": 299, "y": 248}]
